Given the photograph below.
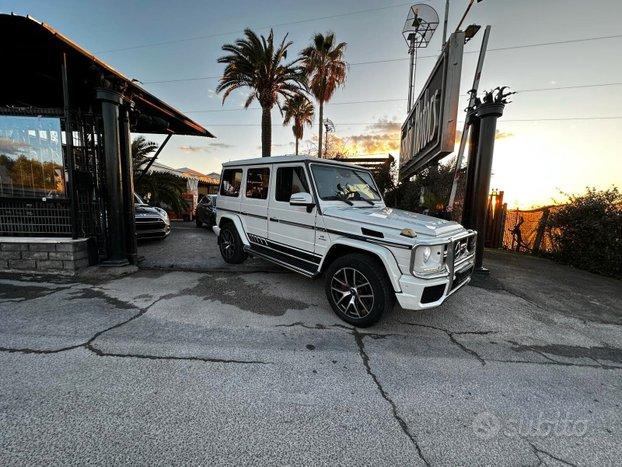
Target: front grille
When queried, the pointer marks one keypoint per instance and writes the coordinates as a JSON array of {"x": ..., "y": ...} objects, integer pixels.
[
  {"x": 461, "y": 277},
  {"x": 150, "y": 224}
]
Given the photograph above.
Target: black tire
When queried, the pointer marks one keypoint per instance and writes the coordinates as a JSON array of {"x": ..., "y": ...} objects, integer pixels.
[
  {"x": 231, "y": 247},
  {"x": 198, "y": 222},
  {"x": 360, "y": 280}
]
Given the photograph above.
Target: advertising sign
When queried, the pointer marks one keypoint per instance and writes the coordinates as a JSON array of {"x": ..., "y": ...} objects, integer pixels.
[{"x": 429, "y": 131}]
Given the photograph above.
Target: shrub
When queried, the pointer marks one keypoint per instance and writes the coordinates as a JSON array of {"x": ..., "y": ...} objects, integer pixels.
[{"x": 587, "y": 232}]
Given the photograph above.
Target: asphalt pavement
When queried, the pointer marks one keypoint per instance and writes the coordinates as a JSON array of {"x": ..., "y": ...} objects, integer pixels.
[{"x": 196, "y": 364}]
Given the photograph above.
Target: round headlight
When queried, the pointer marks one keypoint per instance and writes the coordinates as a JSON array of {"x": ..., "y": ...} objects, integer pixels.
[{"x": 426, "y": 254}]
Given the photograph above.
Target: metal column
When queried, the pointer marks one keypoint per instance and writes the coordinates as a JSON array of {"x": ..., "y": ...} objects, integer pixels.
[
  {"x": 110, "y": 101},
  {"x": 487, "y": 113},
  {"x": 128, "y": 185}
]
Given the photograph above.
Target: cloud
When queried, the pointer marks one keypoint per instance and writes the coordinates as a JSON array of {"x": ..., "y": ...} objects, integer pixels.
[
  {"x": 8, "y": 146},
  {"x": 188, "y": 149},
  {"x": 384, "y": 125}
]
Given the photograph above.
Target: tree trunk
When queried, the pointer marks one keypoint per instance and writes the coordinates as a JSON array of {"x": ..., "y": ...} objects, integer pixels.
[
  {"x": 266, "y": 131},
  {"x": 321, "y": 125},
  {"x": 296, "y": 145}
]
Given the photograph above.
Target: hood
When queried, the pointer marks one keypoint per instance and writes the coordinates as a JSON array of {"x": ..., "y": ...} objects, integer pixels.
[
  {"x": 394, "y": 219},
  {"x": 144, "y": 210}
]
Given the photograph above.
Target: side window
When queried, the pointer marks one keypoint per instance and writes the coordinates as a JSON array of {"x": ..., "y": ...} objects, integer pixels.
[
  {"x": 231, "y": 182},
  {"x": 290, "y": 180},
  {"x": 257, "y": 183}
]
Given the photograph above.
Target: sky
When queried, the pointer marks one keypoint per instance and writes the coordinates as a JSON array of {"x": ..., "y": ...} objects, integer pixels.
[{"x": 553, "y": 141}]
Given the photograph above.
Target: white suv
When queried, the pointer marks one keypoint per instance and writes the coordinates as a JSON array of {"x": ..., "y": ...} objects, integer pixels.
[{"x": 318, "y": 216}]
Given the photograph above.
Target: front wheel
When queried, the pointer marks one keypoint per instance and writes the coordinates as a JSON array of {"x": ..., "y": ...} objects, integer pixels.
[
  {"x": 358, "y": 289},
  {"x": 231, "y": 247}
]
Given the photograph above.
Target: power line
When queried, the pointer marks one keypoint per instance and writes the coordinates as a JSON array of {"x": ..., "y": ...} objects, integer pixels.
[
  {"x": 207, "y": 36},
  {"x": 517, "y": 120},
  {"x": 401, "y": 59},
  {"x": 378, "y": 101}
]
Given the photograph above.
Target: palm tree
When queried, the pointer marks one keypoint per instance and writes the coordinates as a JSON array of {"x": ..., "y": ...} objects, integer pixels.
[
  {"x": 255, "y": 63},
  {"x": 326, "y": 69},
  {"x": 300, "y": 110},
  {"x": 141, "y": 149},
  {"x": 165, "y": 188}
]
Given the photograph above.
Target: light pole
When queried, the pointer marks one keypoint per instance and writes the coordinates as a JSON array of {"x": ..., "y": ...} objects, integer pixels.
[
  {"x": 421, "y": 22},
  {"x": 329, "y": 127}
]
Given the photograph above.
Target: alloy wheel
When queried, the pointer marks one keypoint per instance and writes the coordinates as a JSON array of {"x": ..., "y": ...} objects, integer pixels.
[
  {"x": 352, "y": 292},
  {"x": 227, "y": 244}
]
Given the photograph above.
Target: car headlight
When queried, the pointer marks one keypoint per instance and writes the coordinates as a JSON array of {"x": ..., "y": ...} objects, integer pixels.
[{"x": 428, "y": 259}]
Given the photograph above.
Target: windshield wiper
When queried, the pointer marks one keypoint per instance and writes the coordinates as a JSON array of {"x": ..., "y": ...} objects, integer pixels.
[
  {"x": 341, "y": 196},
  {"x": 362, "y": 198}
]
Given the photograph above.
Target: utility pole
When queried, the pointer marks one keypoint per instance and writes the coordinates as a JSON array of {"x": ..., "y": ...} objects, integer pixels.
[
  {"x": 421, "y": 22},
  {"x": 445, "y": 21},
  {"x": 329, "y": 127}
]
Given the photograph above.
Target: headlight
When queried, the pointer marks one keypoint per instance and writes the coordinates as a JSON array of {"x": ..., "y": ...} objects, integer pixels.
[{"x": 428, "y": 260}]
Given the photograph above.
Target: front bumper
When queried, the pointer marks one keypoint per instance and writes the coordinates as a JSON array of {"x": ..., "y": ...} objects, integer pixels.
[{"x": 419, "y": 294}]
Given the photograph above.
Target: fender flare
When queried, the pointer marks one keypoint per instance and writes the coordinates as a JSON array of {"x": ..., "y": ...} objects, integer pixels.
[
  {"x": 382, "y": 253},
  {"x": 237, "y": 224}
]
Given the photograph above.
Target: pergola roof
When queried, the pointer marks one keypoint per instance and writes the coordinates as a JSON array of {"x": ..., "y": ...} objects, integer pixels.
[{"x": 32, "y": 58}]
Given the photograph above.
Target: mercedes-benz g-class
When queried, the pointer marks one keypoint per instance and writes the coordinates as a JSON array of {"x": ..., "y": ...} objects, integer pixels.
[{"x": 327, "y": 217}]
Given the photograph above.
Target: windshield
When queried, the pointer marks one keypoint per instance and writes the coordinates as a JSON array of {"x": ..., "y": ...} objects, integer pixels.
[
  {"x": 138, "y": 199},
  {"x": 339, "y": 183}
]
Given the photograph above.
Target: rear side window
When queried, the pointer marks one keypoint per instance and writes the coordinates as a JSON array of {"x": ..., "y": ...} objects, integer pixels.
[
  {"x": 290, "y": 180},
  {"x": 257, "y": 183},
  {"x": 231, "y": 182}
]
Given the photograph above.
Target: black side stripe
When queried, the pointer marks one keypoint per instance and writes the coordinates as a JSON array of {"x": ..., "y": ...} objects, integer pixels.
[
  {"x": 298, "y": 254},
  {"x": 284, "y": 259},
  {"x": 295, "y": 224}
]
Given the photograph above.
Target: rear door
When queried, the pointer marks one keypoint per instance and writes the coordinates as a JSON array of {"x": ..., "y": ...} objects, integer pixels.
[
  {"x": 230, "y": 188},
  {"x": 291, "y": 226},
  {"x": 254, "y": 201}
]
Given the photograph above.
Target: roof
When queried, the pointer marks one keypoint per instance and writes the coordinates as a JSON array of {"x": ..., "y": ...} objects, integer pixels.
[
  {"x": 35, "y": 58},
  {"x": 284, "y": 160},
  {"x": 195, "y": 173}
]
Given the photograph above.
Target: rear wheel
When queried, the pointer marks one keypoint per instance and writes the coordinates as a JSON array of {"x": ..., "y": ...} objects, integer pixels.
[
  {"x": 231, "y": 247},
  {"x": 199, "y": 223},
  {"x": 358, "y": 289}
]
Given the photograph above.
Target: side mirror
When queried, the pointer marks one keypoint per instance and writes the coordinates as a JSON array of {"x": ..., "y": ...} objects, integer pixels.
[{"x": 302, "y": 199}]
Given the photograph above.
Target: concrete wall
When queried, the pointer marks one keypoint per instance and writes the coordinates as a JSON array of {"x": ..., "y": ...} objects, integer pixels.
[{"x": 43, "y": 255}]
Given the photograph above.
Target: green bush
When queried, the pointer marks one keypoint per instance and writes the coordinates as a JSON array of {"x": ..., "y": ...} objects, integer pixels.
[{"x": 587, "y": 232}]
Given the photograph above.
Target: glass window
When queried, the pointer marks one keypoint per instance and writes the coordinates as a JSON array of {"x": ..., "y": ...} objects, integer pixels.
[
  {"x": 290, "y": 180},
  {"x": 257, "y": 183},
  {"x": 31, "y": 157},
  {"x": 231, "y": 182},
  {"x": 334, "y": 182}
]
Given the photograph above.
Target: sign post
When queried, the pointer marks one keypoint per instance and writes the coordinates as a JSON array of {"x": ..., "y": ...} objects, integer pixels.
[{"x": 429, "y": 132}]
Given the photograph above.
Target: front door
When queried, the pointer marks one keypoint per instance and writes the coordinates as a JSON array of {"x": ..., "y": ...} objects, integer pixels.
[{"x": 292, "y": 226}]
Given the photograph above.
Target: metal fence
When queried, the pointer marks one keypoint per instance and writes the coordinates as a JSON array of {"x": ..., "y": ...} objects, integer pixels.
[{"x": 526, "y": 231}]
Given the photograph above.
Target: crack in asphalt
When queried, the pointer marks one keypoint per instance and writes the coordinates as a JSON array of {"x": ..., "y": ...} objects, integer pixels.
[
  {"x": 521, "y": 347},
  {"x": 538, "y": 451},
  {"x": 316, "y": 326},
  {"x": 402, "y": 423},
  {"x": 557, "y": 363},
  {"x": 455, "y": 341},
  {"x": 88, "y": 345}
]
